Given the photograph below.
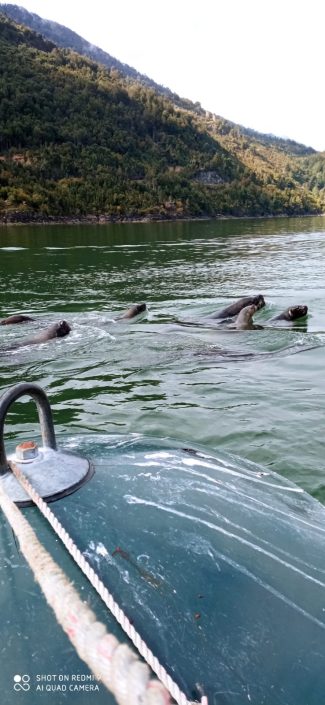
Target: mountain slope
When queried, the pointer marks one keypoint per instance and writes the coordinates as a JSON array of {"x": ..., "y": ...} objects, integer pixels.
[
  {"x": 67, "y": 39},
  {"x": 78, "y": 140}
]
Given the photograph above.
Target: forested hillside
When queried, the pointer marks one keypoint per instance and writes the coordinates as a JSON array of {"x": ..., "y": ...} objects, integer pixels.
[
  {"x": 67, "y": 39},
  {"x": 80, "y": 140}
]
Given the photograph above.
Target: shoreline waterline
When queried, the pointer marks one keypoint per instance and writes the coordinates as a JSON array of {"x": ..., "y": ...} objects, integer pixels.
[{"x": 112, "y": 220}]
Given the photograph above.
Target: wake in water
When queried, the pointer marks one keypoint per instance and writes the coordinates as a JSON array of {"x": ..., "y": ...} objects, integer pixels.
[{"x": 240, "y": 355}]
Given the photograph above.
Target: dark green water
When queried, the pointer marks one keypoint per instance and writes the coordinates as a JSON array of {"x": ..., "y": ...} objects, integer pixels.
[{"x": 163, "y": 379}]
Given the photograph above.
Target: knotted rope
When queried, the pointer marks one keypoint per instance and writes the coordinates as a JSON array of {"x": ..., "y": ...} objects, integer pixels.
[{"x": 115, "y": 664}]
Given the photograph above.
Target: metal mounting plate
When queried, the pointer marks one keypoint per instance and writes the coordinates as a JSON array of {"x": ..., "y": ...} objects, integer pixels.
[{"x": 54, "y": 474}]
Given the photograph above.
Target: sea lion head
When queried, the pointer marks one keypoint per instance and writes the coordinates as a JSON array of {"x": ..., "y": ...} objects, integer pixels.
[
  {"x": 248, "y": 312},
  {"x": 132, "y": 312},
  {"x": 244, "y": 318},
  {"x": 294, "y": 312},
  {"x": 61, "y": 329},
  {"x": 138, "y": 308},
  {"x": 258, "y": 301}
]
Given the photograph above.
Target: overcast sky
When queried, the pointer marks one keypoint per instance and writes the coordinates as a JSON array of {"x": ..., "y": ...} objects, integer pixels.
[{"x": 259, "y": 63}]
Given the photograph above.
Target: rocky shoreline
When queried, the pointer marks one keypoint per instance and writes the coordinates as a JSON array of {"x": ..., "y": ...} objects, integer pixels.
[
  {"x": 21, "y": 218},
  {"x": 17, "y": 218}
]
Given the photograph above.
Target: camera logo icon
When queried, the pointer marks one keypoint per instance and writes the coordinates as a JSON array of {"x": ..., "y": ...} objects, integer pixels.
[{"x": 21, "y": 682}]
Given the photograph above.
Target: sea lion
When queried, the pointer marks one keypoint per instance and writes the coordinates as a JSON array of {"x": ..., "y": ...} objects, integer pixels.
[
  {"x": 292, "y": 313},
  {"x": 244, "y": 320},
  {"x": 16, "y": 318},
  {"x": 56, "y": 330},
  {"x": 131, "y": 312},
  {"x": 235, "y": 308}
]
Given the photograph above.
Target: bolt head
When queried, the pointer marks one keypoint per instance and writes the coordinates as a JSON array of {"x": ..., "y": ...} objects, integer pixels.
[{"x": 28, "y": 450}]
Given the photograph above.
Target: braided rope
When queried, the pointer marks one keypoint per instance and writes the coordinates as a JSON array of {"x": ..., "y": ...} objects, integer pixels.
[
  {"x": 106, "y": 596},
  {"x": 114, "y": 664}
]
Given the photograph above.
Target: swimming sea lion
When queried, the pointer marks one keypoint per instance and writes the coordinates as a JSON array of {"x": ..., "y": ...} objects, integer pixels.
[
  {"x": 16, "y": 318},
  {"x": 56, "y": 330},
  {"x": 132, "y": 312},
  {"x": 244, "y": 320},
  {"x": 291, "y": 313},
  {"x": 235, "y": 308}
]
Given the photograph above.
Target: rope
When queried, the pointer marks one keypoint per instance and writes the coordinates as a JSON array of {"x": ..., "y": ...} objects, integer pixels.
[
  {"x": 115, "y": 664},
  {"x": 154, "y": 687}
]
